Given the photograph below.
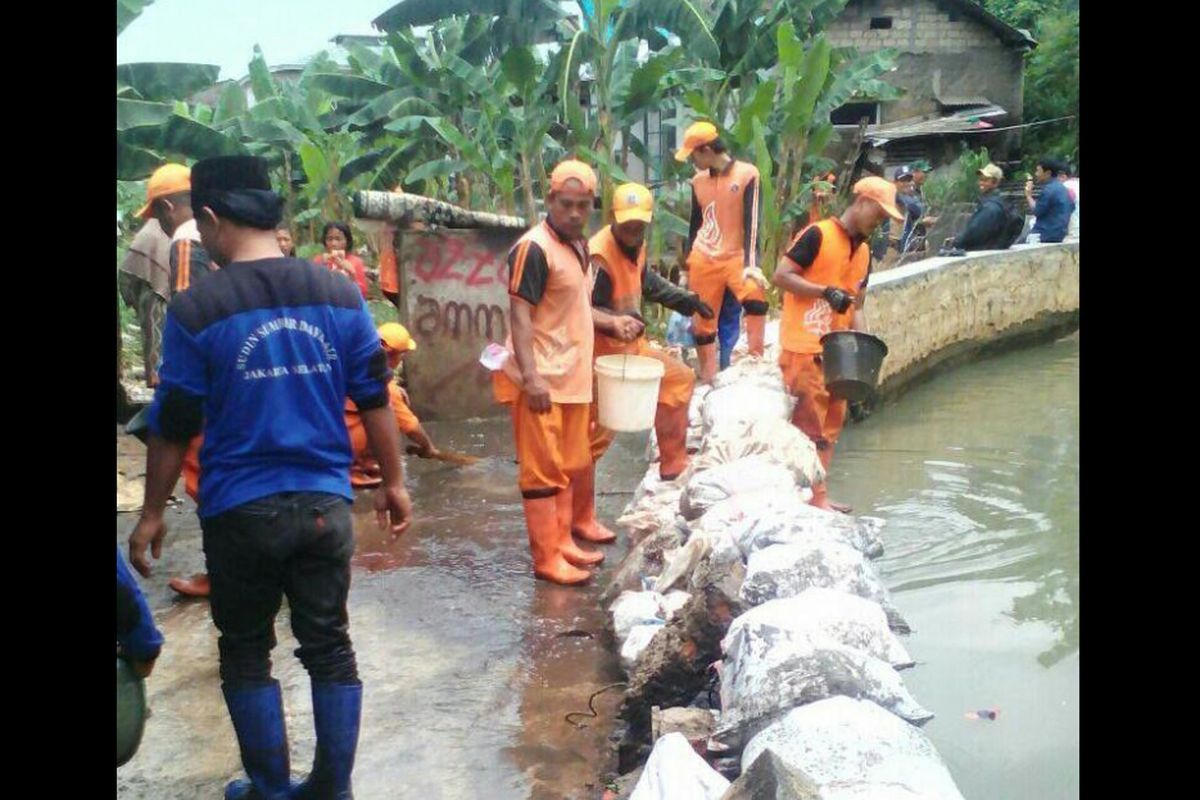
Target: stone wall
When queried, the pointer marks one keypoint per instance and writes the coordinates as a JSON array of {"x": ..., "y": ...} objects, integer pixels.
[{"x": 941, "y": 311}]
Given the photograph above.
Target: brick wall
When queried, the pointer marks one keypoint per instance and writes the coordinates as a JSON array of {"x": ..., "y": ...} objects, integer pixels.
[{"x": 917, "y": 27}]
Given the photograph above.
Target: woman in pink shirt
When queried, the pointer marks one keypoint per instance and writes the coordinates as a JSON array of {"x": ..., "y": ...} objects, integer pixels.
[{"x": 338, "y": 255}]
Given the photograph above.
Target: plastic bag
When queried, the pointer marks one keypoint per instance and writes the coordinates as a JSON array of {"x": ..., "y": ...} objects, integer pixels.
[
  {"x": 681, "y": 564},
  {"x": 775, "y": 438},
  {"x": 786, "y": 570},
  {"x": 674, "y": 771},
  {"x": 631, "y": 609},
  {"x": 708, "y": 487},
  {"x": 763, "y": 679},
  {"x": 744, "y": 401},
  {"x": 847, "y": 619},
  {"x": 723, "y": 516},
  {"x": 804, "y": 523},
  {"x": 637, "y": 641},
  {"x": 655, "y": 503},
  {"x": 855, "y": 749},
  {"x": 679, "y": 330}
]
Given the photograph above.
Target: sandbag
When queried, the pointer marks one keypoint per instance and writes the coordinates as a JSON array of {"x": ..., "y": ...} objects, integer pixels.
[
  {"x": 674, "y": 771},
  {"x": 775, "y": 438},
  {"x": 638, "y": 640},
  {"x": 801, "y": 523},
  {"x": 786, "y": 570},
  {"x": 709, "y": 487},
  {"x": 681, "y": 564},
  {"x": 847, "y": 619},
  {"x": 757, "y": 372},
  {"x": 765, "y": 675},
  {"x": 744, "y": 401},
  {"x": 723, "y": 516},
  {"x": 846, "y": 746},
  {"x": 631, "y": 609},
  {"x": 655, "y": 503}
]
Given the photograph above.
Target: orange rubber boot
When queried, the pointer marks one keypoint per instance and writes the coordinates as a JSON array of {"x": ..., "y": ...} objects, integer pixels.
[
  {"x": 541, "y": 521},
  {"x": 756, "y": 333},
  {"x": 583, "y": 508},
  {"x": 365, "y": 473},
  {"x": 573, "y": 553},
  {"x": 670, "y": 428},
  {"x": 707, "y": 353},
  {"x": 195, "y": 586}
]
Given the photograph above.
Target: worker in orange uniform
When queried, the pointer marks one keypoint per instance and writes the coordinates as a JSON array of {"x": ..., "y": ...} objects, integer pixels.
[
  {"x": 622, "y": 280},
  {"x": 364, "y": 471},
  {"x": 547, "y": 383},
  {"x": 824, "y": 276},
  {"x": 722, "y": 244}
]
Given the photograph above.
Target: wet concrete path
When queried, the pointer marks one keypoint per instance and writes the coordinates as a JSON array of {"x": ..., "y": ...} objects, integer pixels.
[{"x": 469, "y": 665}]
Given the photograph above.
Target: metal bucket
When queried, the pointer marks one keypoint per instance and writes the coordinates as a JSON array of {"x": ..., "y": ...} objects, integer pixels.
[
  {"x": 131, "y": 711},
  {"x": 851, "y": 362}
]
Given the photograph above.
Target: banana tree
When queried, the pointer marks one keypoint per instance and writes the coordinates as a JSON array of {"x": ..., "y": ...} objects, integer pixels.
[
  {"x": 508, "y": 23},
  {"x": 607, "y": 44}
]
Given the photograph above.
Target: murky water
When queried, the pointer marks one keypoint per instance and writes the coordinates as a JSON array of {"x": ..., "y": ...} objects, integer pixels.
[
  {"x": 469, "y": 665},
  {"x": 977, "y": 473}
]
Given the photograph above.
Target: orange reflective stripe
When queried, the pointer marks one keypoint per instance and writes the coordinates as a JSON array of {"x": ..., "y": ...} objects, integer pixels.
[
  {"x": 518, "y": 268},
  {"x": 183, "y": 273}
]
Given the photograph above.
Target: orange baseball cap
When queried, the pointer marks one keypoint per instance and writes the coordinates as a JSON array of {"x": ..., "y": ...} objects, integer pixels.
[
  {"x": 632, "y": 201},
  {"x": 167, "y": 180},
  {"x": 395, "y": 337},
  {"x": 882, "y": 192},
  {"x": 572, "y": 169},
  {"x": 698, "y": 134}
]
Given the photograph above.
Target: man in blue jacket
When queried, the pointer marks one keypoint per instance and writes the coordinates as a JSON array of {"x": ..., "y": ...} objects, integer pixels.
[
  {"x": 260, "y": 357},
  {"x": 1053, "y": 208}
]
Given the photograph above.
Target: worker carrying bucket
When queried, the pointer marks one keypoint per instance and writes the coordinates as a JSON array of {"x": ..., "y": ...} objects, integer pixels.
[
  {"x": 824, "y": 276},
  {"x": 622, "y": 281}
]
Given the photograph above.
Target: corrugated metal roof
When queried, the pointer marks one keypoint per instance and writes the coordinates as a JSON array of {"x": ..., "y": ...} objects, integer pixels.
[{"x": 967, "y": 120}]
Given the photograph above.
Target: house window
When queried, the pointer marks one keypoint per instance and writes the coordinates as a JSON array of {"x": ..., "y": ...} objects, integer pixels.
[
  {"x": 881, "y": 23},
  {"x": 852, "y": 113}
]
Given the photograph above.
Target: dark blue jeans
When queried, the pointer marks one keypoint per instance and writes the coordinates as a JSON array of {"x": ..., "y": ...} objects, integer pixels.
[{"x": 297, "y": 544}]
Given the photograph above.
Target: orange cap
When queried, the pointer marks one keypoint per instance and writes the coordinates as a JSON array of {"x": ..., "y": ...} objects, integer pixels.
[
  {"x": 698, "y": 134},
  {"x": 882, "y": 192},
  {"x": 572, "y": 169},
  {"x": 167, "y": 180},
  {"x": 395, "y": 337},
  {"x": 632, "y": 201}
]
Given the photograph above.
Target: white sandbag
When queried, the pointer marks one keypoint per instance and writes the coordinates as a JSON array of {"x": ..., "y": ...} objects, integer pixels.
[
  {"x": 673, "y": 603},
  {"x": 759, "y": 372},
  {"x": 844, "y": 745},
  {"x": 709, "y": 487},
  {"x": 723, "y": 516},
  {"x": 766, "y": 674},
  {"x": 742, "y": 401},
  {"x": 775, "y": 438},
  {"x": 803, "y": 523},
  {"x": 786, "y": 570},
  {"x": 655, "y": 503},
  {"x": 631, "y": 609},
  {"x": 637, "y": 641},
  {"x": 847, "y": 619},
  {"x": 681, "y": 564},
  {"x": 675, "y": 771}
]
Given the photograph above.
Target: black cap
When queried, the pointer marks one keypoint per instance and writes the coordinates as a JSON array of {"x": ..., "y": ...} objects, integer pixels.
[{"x": 227, "y": 173}]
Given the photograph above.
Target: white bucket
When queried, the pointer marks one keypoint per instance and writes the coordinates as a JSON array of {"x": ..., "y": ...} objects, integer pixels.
[{"x": 627, "y": 389}]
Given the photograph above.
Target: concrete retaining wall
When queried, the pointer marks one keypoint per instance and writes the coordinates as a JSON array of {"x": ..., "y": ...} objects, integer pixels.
[{"x": 941, "y": 311}]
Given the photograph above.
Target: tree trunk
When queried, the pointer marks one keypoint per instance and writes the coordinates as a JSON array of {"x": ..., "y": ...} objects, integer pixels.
[{"x": 527, "y": 187}]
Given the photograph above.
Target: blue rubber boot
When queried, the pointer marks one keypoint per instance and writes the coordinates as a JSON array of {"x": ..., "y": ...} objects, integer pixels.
[
  {"x": 257, "y": 714},
  {"x": 337, "y": 709}
]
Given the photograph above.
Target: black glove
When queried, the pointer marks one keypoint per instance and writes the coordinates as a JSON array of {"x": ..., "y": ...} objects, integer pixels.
[
  {"x": 837, "y": 298},
  {"x": 698, "y": 306}
]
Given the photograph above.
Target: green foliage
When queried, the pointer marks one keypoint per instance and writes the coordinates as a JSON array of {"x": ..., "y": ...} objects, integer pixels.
[{"x": 956, "y": 183}]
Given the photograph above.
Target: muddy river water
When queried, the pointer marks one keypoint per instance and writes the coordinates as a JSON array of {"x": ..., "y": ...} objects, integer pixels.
[{"x": 469, "y": 665}]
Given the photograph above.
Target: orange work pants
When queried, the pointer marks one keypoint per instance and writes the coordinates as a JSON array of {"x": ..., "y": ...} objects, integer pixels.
[
  {"x": 709, "y": 278},
  {"x": 550, "y": 447},
  {"x": 817, "y": 414}
]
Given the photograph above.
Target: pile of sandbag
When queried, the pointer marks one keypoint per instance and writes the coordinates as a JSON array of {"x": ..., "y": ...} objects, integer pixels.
[{"x": 742, "y": 597}]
